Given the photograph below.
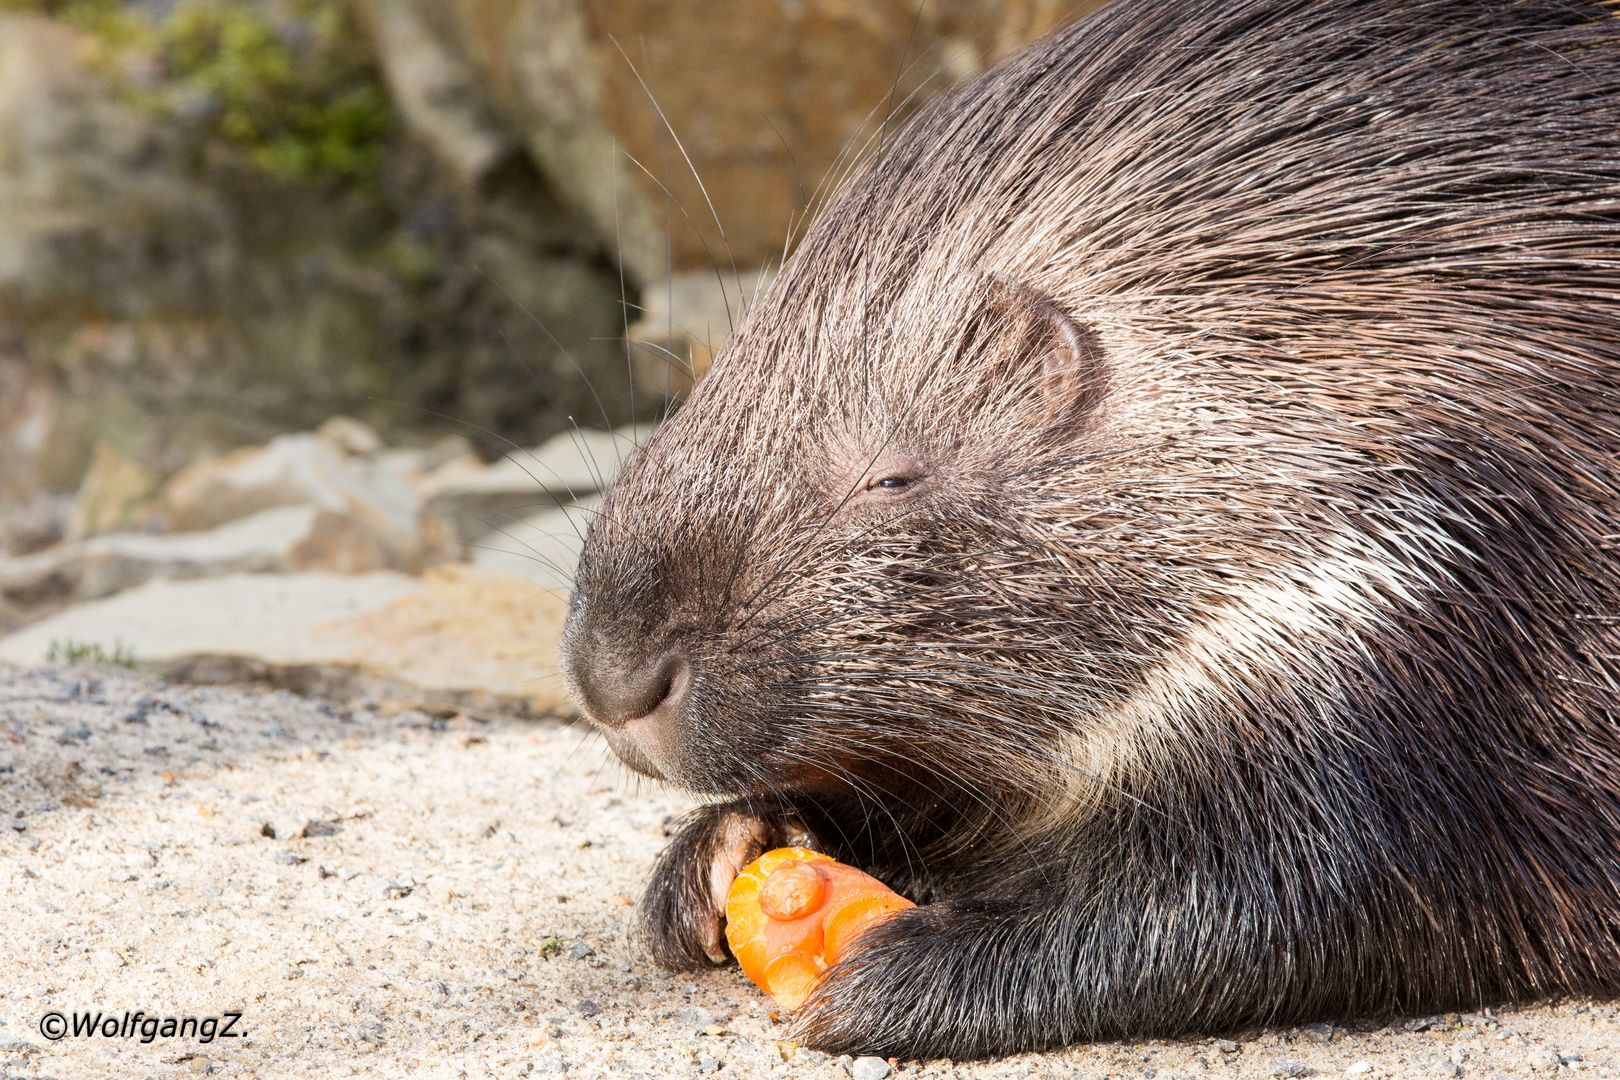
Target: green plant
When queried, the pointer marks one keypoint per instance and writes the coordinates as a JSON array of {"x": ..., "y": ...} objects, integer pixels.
[
  {"x": 301, "y": 95},
  {"x": 89, "y": 652},
  {"x": 552, "y": 945},
  {"x": 312, "y": 113}
]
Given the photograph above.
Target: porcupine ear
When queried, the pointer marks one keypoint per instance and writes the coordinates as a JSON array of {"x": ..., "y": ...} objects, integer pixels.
[{"x": 1062, "y": 358}]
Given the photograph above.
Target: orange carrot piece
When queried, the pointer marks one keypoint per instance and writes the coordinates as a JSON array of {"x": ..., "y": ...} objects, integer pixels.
[{"x": 792, "y": 912}]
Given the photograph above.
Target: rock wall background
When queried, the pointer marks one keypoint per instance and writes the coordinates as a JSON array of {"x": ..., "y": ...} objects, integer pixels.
[
  {"x": 452, "y": 228},
  {"x": 221, "y": 220},
  {"x": 195, "y": 255}
]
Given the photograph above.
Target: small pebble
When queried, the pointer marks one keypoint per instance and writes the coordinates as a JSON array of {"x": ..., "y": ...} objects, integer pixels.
[
  {"x": 869, "y": 1068},
  {"x": 287, "y": 828},
  {"x": 288, "y": 858},
  {"x": 710, "y": 1064},
  {"x": 1226, "y": 1046},
  {"x": 1542, "y": 1060},
  {"x": 695, "y": 1017},
  {"x": 588, "y": 1008},
  {"x": 1447, "y": 1068},
  {"x": 579, "y": 951},
  {"x": 1290, "y": 1068},
  {"x": 1360, "y": 1068}
]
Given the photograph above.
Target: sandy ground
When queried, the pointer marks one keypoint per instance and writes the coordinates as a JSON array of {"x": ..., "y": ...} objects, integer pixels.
[{"x": 459, "y": 905}]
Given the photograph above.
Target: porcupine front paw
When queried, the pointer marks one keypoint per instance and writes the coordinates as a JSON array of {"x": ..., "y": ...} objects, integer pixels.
[
  {"x": 957, "y": 979},
  {"x": 682, "y": 910}
]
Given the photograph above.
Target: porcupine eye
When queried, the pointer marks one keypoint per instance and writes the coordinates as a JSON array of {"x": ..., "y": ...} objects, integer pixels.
[
  {"x": 898, "y": 477},
  {"x": 888, "y": 488}
]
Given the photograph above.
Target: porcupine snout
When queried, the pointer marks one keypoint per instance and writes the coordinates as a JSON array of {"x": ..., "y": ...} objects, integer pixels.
[{"x": 634, "y": 689}]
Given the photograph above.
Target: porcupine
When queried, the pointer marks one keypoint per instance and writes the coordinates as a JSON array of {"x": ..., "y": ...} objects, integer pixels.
[{"x": 1163, "y": 519}]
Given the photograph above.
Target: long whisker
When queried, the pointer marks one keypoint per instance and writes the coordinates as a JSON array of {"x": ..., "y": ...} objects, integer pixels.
[
  {"x": 695, "y": 176},
  {"x": 607, "y": 421}
]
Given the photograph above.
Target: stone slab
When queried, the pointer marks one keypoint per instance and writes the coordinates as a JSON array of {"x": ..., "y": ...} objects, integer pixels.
[
  {"x": 456, "y": 638},
  {"x": 285, "y": 539}
]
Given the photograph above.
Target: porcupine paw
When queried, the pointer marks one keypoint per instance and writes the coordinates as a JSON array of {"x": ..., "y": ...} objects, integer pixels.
[
  {"x": 683, "y": 909},
  {"x": 915, "y": 985}
]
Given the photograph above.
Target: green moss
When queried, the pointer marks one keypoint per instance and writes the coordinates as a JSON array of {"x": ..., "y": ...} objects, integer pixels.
[
  {"x": 306, "y": 102},
  {"x": 315, "y": 113}
]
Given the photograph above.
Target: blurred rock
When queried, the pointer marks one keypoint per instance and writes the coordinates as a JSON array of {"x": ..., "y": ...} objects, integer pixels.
[
  {"x": 291, "y": 470},
  {"x": 457, "y": 638},
  {"x": 162, "y": 291},
  {"x": 350, "y": 436},
  {"x": 437, "y": 88},
  {"x": 85, "y": 182},
  {"x": 34, "y": 522},
  {"x": 335, "y": 500},
  {"x": 86, "y": 185},
  {"x": 111, "y": 493},
  {"x": 786, "y": 93},
  {"x": 284, "y": 540},
  {"x": 712, "y": 176},
  {"x": 28, "y": 408},
  {"x": 686, "y": 319}
]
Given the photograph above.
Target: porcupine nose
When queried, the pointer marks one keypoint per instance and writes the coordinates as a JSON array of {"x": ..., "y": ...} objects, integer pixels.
[{"x": 616, "y": 693}]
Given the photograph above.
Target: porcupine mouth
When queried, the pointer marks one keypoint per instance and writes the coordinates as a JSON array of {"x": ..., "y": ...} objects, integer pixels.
[{"x": 624, "y": 745}]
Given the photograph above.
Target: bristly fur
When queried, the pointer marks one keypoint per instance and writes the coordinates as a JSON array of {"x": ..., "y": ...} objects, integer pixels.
[{"x": 1165, "y": 518}]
